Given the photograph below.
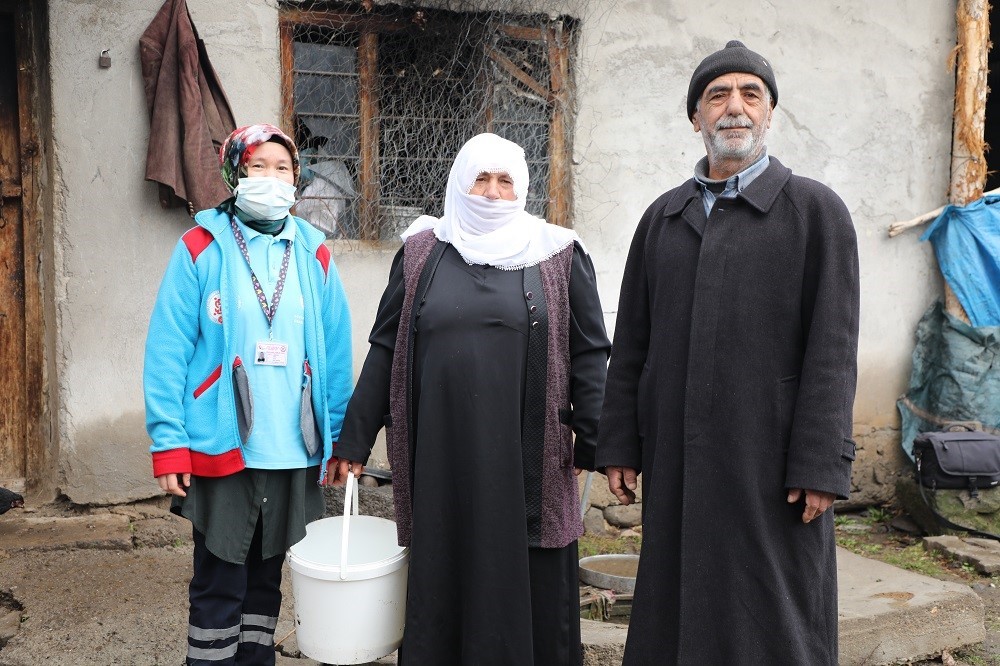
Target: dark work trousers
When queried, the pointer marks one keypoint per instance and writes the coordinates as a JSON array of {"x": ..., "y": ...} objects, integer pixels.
[{"x": 234, "y": 607}]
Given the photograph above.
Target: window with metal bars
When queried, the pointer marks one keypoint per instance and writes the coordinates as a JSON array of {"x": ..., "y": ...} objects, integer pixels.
[{"x": 380, "y": 102}]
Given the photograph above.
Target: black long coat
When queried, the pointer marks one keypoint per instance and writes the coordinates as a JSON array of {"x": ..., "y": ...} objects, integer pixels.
[{"x": 732, "y": 380}]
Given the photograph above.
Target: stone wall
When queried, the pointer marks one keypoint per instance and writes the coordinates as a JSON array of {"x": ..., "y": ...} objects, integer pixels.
[{"x": 880, "y": 463}]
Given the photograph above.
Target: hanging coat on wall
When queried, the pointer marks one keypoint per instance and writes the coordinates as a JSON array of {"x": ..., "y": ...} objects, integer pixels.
[{"x": 189, "y": 114}]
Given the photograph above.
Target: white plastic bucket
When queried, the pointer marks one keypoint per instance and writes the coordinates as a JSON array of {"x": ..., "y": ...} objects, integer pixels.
[{"x": 355, "y": 613}]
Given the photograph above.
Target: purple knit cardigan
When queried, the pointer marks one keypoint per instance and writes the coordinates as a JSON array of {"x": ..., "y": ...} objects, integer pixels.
[{"x": 561, "y": 522}]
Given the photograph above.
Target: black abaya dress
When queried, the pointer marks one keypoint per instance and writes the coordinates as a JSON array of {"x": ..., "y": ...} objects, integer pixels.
[{"x": 477, "y": 593}]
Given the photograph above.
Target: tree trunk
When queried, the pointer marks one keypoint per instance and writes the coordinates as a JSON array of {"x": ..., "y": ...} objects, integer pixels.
[{"x": 968, "y": 160}]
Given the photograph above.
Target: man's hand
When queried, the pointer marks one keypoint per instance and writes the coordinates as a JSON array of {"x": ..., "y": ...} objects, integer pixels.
[
  {"x": 174, "y": 484},
  {"x": 816, "y": 502},
  {"x": 622, "y": 483}
]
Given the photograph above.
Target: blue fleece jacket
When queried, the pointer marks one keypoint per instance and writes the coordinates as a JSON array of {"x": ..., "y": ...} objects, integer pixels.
[{"x": 192, "y": 355}]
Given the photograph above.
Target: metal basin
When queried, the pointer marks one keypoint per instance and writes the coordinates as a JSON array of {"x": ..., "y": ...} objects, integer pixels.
[{"x": 610, "y": 572}]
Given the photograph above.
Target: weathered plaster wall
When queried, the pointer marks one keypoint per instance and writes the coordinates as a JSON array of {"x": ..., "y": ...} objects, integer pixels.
[
  {"x": 864, "y": 107},
  {"x": 112, "y": 237}
]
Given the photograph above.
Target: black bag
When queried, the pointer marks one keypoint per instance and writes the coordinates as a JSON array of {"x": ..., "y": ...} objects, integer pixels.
[{"x": 958, "y": 461}]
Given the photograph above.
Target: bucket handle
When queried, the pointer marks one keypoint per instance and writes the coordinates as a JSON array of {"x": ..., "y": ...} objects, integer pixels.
[{"x": 350, "y": 500}]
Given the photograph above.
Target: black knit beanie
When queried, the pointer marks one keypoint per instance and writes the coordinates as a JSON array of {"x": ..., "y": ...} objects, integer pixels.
[{"x": 736, "y": 57}]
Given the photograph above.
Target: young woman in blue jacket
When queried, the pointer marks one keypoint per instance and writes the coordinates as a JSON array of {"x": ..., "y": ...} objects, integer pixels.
[{"x": 247, "y": 375}]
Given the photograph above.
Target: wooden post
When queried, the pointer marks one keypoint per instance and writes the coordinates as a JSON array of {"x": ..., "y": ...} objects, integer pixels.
[
  {"x": 37, "y": 433},
  {"x": 286, "y": 49},
  {"x": 560, "y": 157},
  {"x": 368, "y": 138},
  {"x": 968, "y": 160}
]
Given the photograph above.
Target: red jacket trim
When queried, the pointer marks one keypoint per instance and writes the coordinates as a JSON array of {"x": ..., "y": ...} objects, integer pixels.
[
  {"x": 174, "y": 461},
  {"x": 186, "y": 461},
  {"x": 207, "y": 384},
  {"x": 323, "y": 254},
  {"x": 224, "y": 464},
  {"x": 197, "y": 239}
]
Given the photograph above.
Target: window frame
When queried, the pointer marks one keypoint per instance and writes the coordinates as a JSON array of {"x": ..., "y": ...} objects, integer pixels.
[{"x": 557, "y": 36}]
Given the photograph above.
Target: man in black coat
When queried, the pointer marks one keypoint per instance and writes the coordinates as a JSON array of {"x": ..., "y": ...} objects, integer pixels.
[{"x": 731, "y": 388}]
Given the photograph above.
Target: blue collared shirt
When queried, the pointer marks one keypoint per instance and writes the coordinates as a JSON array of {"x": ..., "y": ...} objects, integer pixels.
[
  {"x": 734, "y": 184},
  {"x": 276, "y": 440}
]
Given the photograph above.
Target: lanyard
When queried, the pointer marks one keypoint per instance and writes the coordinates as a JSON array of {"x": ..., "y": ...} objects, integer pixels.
[{"x": 278, "y": 288}]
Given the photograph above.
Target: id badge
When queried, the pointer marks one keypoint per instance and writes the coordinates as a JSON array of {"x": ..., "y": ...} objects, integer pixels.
[{"x": 271, "y": 353}]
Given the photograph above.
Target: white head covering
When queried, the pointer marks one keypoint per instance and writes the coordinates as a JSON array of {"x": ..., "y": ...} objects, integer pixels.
[{"x": 495, "y": 232}]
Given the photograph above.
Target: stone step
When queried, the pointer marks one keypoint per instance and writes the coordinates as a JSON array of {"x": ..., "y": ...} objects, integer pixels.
[
  {"x": 982, "y": 554},
  {"x": 31, "y": 532},
  {"x": 887, "y": 616}
]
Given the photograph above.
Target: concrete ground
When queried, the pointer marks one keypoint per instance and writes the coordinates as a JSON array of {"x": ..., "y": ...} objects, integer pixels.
[{"x": 109, "y": 586}]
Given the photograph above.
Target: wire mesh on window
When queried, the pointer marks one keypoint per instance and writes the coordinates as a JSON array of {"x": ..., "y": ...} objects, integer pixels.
[{"x": 377, "y": 141}]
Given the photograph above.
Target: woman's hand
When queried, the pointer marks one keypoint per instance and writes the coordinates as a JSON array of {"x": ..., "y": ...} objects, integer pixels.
[
  {"x": 174, "y": 484},
  {"x": 337, "y": 469}
]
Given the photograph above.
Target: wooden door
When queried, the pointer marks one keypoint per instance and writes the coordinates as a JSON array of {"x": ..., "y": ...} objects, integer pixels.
[{"x": 20, "y": 371}]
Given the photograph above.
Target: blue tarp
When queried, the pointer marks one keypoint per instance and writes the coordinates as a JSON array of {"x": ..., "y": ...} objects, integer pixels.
[{"x": 966, "y": 240}]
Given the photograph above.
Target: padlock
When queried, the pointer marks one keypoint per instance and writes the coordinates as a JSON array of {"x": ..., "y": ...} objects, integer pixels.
[{"x": 105, "y": 59}]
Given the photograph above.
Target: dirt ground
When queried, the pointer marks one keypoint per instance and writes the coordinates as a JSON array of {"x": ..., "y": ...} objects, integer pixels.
[
  {"x": 101, "y": 587},
  {"x": 107, "y": 586},
  {"x": 119, "y": 595}
]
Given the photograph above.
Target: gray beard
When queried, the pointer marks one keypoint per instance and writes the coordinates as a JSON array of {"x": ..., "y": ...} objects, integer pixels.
[{"x": 720, "y": 148}]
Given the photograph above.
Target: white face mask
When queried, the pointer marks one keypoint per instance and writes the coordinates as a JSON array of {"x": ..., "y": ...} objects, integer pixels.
[{"x": 265, "y": 197}]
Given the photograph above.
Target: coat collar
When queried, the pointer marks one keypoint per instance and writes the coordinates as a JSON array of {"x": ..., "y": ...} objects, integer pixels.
[
  {"x": 760, "y": 194},
  {"x": 216, "y": 221}
]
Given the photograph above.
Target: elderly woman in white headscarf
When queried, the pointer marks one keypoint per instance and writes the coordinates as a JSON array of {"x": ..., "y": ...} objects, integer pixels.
[{"x": 488, "y": 353}]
